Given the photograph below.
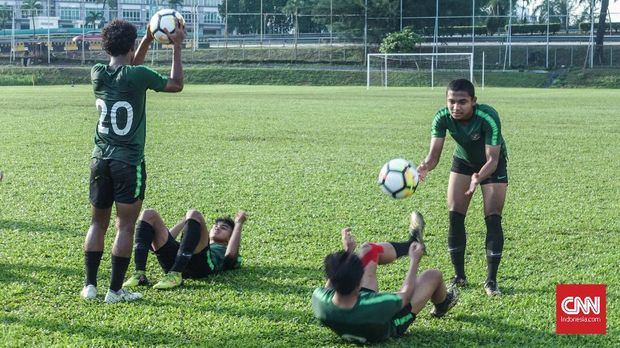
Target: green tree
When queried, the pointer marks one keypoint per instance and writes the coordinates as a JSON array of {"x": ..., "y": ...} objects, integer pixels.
[
  {"x": 93, "y": 17},
  {"x": 6, "y": 16},
  {"x": 403, "y": 41},
  {"x": 31, "y": 9}
]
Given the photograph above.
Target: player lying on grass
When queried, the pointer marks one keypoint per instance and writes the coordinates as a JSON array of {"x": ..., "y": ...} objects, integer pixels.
[
  {"x": 350, "y": 303},
  {"x": 117, "y": 170},
  {"x": 201, "y": 252}
]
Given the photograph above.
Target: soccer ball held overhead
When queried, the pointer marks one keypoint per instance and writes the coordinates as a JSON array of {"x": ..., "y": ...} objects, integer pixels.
[{"x": 164, "y": 19}]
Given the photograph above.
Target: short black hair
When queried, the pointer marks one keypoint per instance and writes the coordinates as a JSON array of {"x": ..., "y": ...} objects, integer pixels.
[
  {"x": 462, "y": 85},
  {"x": 226, "y": 220},
  {"x": 119, "y": 36},
  {"x": 344, "y": 270}
]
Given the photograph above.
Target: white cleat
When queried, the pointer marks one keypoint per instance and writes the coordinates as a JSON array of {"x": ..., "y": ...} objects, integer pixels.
[
  {"x": 121, "y": 295},
  {"x": 89, "y": 292}
]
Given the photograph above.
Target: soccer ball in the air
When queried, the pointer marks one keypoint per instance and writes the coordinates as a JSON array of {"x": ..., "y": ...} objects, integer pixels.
[
  {"x": 164, "y": 19},
  {"x": 398, "y": 178}
]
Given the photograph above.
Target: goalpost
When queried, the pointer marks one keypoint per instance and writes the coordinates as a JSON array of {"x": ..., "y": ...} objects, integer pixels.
[{"x": 417, "y": 69}]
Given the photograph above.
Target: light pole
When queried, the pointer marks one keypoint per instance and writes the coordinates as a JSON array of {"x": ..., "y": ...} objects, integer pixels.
[
  {"x": 547, "y": 47},
  {"x": 49, "y": 51},
  {"x": 401, "y": 15},
  {"x": 365, "y": 29}
]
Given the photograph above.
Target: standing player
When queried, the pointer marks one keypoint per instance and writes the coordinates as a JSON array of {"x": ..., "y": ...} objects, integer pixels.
[
  {"x": 117, "y": 170},
  {"x": 479, "y": 159},
  {"x": 350, "y": 303},
  {"x": 201, "y": 252}
]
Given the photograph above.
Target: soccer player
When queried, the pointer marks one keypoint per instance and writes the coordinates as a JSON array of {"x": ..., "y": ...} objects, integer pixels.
[
  {"x": 117, "y": 170},
  {"x": 479, "y": 159},
  {"x": 201, "y": 252},
  {"x": 350, "y": 303}
]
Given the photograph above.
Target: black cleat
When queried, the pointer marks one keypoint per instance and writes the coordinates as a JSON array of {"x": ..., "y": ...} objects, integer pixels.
[
  {"x": 440, "y": 309},
  {"x": 491, "y": 288},
  {"x": 458, "y": 282}
]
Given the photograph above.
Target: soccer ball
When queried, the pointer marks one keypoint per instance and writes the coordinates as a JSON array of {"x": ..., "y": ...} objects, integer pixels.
[
  {"x": 398, "y": 178},
  {"x": 164, "y": 19}
]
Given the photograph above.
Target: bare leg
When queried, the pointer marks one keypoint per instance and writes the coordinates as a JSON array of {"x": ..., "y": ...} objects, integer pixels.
[
  {"x": 458, "y": 184},
  {"x": 429, "y": 285},
  {"x": 126, "y": 216},
  {"x": 99, "y": 223},
  {"x": 494, "y": 196},
  {"x": 369, "y": 279},
  {"x": 160, "y": 235}
]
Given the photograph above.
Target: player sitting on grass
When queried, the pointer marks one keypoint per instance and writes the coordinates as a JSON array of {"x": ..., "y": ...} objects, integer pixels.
[
  {"x": 350, "y": 303},
  {"x": 201, "y": 252}
]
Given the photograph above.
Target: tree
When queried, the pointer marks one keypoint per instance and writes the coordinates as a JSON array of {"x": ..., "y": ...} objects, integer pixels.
[
  {"x": 93, "y": 17},
  {"x": 32, "y": 7},
  {"x": 599, "y": 58},
  {"x": 111, "y": 4},
  {"x": 403, "y": 41},
  {"x": 6, "y": 16}
]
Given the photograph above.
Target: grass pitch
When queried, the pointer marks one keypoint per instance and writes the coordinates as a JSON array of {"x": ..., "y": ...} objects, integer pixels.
[{"x": 302, "y": 162}]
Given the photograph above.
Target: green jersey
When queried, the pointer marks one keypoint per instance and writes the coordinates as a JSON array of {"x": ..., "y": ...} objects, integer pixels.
[
  {"x": 483, "y": 128},
  {"x": 121, "y": 99},
  {"x": 217, "y": 259},
  {"x": 371, "y": 319}
]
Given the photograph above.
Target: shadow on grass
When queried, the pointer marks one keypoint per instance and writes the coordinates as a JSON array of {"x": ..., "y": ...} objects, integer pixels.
[
  {"x": 31, "y": 273},
  {"x": 34, "y": 226}
]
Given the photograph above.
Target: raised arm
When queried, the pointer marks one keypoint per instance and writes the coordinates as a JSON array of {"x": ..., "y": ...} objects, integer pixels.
[
  {"x": 143, "y": 47},
  {"x": 416, "y": 250},
  {"x": 175, "y": 81},
  {"x": 431, "y": 160},
  {"x": 232, "y": 250}
]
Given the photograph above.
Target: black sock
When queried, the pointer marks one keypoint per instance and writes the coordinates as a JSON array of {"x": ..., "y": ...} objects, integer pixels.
[
  {"x": 144, "y": 238},
  {"x": 402, "y": 248},
  {"x": 119, "y": 268},
  {"x": 457, "y": 241},
  {"x": 92, "y": 259},
  {"x": 494, "y": 245},
  {"x": 191, "y": 238}
]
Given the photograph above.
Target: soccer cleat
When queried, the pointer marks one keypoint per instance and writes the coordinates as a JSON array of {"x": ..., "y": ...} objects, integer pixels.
[
  {"x": 89, "y": 292},
  {"x": 170, "y": 281},
  {"x": 121, "y": 295},
  {"x": 416, "y": 228},
  {"x": 440, "y": 309},
  {"x": 458, "y": 282},
  {"x": 491, "y": 288},
  {"x": 138, "y": 278}
]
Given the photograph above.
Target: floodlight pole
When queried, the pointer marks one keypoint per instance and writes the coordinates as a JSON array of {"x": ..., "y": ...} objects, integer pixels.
[
  {"x": 436, "y": 33},
  {"x": 226, "y": 24},
  {"x": 49, "y": 52},
  {"x": 592, "y": 34},
  {"x": 261, "y": 22},
  {"x": 12, "y": 57},
  {"x": 547, "y": 48},
  {"x": 401, "y": 15},
  {"x": 473, "y": 24},
  {"x": 366, "y": 29}
]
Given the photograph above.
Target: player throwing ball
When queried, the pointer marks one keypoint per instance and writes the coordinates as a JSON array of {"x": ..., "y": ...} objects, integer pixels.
[
  {"x": 350, "y": 303},
  {"x": 117, "y": 171},
  {"x": 480, "y": 159}
]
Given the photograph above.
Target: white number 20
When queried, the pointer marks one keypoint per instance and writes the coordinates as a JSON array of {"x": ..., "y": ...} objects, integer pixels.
[{"x": 103, "y": 109}]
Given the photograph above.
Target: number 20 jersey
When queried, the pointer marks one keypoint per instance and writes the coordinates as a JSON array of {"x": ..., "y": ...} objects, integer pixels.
[{"x": 121, "y": 99}]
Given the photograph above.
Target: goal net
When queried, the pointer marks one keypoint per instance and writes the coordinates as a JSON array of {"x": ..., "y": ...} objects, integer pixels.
[{"x": 417, "y": 69}]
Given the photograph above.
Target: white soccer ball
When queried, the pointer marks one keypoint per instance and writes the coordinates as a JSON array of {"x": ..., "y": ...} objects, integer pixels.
[
  {"x": 398, "y": 178},
  {"x": 165, "y": 19}
]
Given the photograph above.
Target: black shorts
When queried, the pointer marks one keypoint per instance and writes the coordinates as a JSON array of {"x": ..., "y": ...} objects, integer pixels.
[
  {"x": 115, "y": 181},
  {"x": 401, "y": 320},
  {"x": 199, "y": 266},
  {"x": 500, "y": 175}
]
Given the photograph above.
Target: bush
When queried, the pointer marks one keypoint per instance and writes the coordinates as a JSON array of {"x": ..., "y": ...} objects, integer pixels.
[{"x": 403, "y": 41}]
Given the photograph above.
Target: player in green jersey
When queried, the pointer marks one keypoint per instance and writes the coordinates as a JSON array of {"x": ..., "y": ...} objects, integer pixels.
[
  {"x": 201, "y": 251},
  {"x": 350, "y": 303},
  {"x": 479, "y": 158},
  {"x": 117, "y": 170}
]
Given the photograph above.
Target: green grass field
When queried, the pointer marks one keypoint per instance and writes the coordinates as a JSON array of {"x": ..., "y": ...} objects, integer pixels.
[{"x": 302, "y": 162}]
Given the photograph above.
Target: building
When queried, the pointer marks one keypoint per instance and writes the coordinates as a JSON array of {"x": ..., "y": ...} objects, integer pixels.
[{"x": 200, "y": 15}]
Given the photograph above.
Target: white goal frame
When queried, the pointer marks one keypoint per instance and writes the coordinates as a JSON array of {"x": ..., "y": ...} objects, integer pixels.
[{"x": 432, "y": 55}]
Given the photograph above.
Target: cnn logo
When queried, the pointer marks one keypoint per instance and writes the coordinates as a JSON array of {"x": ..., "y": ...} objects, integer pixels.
[
  {"x": 581, "y": 309},
  {"x": 575, "y": 305}
]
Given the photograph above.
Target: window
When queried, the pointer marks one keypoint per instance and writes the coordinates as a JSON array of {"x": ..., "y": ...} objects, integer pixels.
[
  {"x": 69, "y": 13},
  {"x": 131, "y": 15},
  {"x": 213, "y": 17}
]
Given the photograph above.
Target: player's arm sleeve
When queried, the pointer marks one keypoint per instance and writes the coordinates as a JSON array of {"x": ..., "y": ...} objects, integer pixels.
[
  {"x": 152, "y": 79},
  {"x": 438, "y": 129},
  {"x": 492, "y": 129}
]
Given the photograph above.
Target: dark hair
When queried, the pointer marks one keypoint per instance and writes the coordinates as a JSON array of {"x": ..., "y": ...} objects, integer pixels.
[
  {"x": 226, "y": 220},
  {"x": 462, "y": 85},
  {"x": 119, "y": 37},
  {"x": 344, "y": 270}
]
